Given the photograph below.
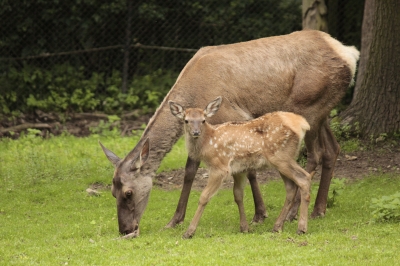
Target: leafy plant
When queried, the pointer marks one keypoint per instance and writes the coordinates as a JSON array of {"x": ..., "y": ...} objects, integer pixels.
[
  {"x": 66, "y": 88},
  {"x": 335, "y": 190},
  {"x": 386, "y": 208}
]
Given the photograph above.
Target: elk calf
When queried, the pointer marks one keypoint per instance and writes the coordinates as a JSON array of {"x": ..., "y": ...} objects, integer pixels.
[{"x": 234, "y": 148}]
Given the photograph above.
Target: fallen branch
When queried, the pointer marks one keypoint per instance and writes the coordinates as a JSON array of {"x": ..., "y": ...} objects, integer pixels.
[{"x": 25, "y": 126}]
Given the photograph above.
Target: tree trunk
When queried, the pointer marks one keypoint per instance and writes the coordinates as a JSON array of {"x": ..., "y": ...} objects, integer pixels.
[
  {"x": 366, "y": 39},
  {"x": 376, "y": 103},
  {"x": 315, "y": 15}
]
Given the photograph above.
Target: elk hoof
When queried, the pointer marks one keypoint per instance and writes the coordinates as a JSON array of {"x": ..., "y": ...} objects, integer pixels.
[
  {"x": 317, "y": 214},
  {"x": 259, "y": 218},
  {"x": 172, "y": 224}
]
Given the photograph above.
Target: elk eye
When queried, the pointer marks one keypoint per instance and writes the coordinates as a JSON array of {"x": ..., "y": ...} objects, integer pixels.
[
  {"x": 186, "y": 121},
  {"x": 128, "y": 193}
]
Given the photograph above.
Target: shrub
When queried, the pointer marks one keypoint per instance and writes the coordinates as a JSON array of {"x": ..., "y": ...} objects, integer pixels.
[
  {"x": 387, "y": 208},
  {"x": 65, "y": 88}
]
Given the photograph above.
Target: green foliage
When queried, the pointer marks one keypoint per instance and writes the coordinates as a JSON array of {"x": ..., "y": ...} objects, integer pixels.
[
  {"x": 350, "y": 145},
  {"x": 335, "y": 190},
  {"x": 386, "y": 208},
  {"x": 65, "y": 88}
]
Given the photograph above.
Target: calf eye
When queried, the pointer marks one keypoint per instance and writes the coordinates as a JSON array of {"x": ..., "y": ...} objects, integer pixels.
[
  {"x": 186, "y": 121},
  {"x": 203, "y": 121}
]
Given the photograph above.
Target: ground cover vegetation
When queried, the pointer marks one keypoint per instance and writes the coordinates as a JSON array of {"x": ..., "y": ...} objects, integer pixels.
[{"x": 48, "y": 218}]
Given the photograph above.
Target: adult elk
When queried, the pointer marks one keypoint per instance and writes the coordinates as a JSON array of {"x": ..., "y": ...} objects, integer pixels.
[
  {"x": 305, "y": 72},
  {"x": 232, "y": 148}
]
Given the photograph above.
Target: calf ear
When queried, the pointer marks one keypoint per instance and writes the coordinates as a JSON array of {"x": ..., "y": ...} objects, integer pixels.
[
  {"x": 114, "y": 159},
  {"x": 176, "y": 109},
  {"x": 213, "y": 107}
]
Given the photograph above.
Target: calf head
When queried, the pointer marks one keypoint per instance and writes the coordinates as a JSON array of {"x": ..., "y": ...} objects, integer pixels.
[
  {"x": 131, "y": 186},
  {"x": 195, "y": 117}
]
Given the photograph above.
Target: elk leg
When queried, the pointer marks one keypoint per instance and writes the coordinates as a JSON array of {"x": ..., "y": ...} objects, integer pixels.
[
  {"x": 214, "y": 183},
  {"x": 260, "y": 212},
  {"x": 331, "y": 151},
  {"x": 238, "y": 187},
  {"x": 190, "y": 172}
]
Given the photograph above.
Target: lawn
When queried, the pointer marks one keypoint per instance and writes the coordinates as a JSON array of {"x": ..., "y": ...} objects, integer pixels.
[{"x": 47, "y": 217}]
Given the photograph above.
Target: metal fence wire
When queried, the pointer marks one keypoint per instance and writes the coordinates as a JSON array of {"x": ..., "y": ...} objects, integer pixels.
[{"x": 51, "y": 47}]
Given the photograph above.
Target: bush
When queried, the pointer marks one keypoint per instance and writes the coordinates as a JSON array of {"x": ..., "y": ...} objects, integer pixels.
[
  {"x": 387, "y": 208},
  {"x": 66, "y": 89}
]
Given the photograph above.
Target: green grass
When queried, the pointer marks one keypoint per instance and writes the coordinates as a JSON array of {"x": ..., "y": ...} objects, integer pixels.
[{"x": 47, "y": 218}]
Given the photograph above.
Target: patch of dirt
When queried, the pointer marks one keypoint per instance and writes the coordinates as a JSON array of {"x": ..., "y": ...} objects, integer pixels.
[{"x": 382, "y": 157}]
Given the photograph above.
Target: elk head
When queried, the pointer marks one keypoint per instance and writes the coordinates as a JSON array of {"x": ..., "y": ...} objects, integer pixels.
[
  {"x": 195, "y": 117},
  {"x": 131, "y": 186}
]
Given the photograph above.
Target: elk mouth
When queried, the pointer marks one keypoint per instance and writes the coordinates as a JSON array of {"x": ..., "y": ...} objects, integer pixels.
[{"x": 130, "y": 234}]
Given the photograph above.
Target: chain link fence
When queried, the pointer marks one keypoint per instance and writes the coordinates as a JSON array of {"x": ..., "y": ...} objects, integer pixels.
[{"x": 111, "y": 56}]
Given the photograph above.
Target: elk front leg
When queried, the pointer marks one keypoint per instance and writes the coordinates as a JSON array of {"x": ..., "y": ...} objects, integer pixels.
[
  {"x": 214, "y": 183},
  {"x": 238, "y": 187},
  {"x": 260, "y": 212},
  {"x": 190, "y": 172}
]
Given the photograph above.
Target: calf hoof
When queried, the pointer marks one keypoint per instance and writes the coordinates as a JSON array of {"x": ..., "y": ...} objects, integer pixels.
[
  {"x": 301, "y": 231},
  {"x": 244, "y": 229},
  {"x": 277, "y": 229},
  {"x": 187, "y": 235}
]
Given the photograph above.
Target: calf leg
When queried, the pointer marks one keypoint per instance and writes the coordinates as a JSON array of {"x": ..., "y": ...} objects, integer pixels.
[
  {"x": 214, "y": 183},
  {"x": 291, "y": 171},
  {"x": 291, "y": 190},
  {"x": 238, "y": 187},
  {"x": 331, "y": 151},
  {"x": 260, "y": 212},
  {"x": 190, "y": 172},
  {"x": 314, "y": 152}
]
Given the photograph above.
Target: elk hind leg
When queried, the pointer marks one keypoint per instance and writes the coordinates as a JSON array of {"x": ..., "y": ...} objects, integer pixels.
[
  {"x": 331, "y": 151},
  {"x": 238, "y": 191}
]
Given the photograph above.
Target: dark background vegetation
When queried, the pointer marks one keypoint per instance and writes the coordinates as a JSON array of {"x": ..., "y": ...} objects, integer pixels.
[{"x": 116, "y": 56}]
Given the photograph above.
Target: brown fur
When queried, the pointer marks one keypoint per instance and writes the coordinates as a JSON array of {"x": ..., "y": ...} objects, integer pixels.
[
  {"x": 306, "y": 72},
  {"x": 231, "y": 149}
]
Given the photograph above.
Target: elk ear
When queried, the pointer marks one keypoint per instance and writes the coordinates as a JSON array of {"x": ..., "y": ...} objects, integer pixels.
[
  {"x": 176, "y": 109},
  {"x": 114, "y": 159},
  {"x": 213, "y": 107},
  {"x": 144, "y": 153}
]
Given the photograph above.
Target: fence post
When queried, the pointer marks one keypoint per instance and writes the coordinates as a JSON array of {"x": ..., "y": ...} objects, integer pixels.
[{"x": 125, "y": 70}]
